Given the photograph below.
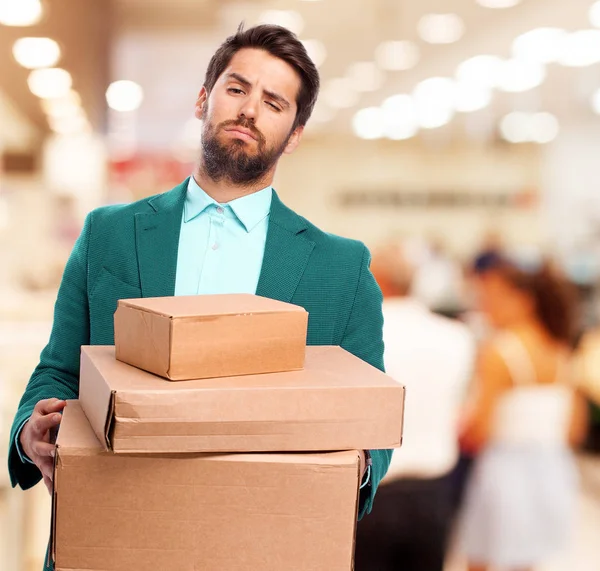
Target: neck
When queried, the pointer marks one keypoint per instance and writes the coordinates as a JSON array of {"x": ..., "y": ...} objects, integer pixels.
[
  {"x": 528, "y": 326},
  {"x": 223, "y": 191}
]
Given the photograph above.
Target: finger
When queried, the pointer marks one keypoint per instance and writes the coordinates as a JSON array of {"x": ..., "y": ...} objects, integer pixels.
[
  {"x": 42, "y": 424},
  {"x": 48, "y": 406},
  {"x": 43, "y": 449},
  {"x": 49, "y": 484},
  {"x": 46, "y": 467}
]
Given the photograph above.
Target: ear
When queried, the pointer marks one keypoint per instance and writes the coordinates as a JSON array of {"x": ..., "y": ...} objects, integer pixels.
[
  {"x": 294, "y": 140},
  {"x": 200, "y": 106}
]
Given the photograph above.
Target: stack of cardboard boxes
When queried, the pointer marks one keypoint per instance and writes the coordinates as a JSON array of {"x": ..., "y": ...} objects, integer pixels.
[{"x": 211, "y": 438}]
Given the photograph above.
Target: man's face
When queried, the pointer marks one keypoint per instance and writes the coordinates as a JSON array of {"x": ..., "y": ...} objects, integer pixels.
[{"x": 248, "y": 117}]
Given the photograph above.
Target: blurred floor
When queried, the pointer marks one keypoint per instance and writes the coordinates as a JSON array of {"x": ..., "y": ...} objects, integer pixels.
[{"x": 584, "y": 554}]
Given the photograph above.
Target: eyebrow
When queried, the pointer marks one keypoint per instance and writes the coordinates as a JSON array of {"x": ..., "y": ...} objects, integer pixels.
[{"x": 271, "y": 94}]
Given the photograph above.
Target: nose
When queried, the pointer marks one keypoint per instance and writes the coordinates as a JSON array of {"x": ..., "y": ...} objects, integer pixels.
[{"x": 250, "y": 107}]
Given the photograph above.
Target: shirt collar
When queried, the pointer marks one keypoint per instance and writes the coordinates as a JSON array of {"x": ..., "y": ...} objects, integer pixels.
[{"x": 249, "y": 210}]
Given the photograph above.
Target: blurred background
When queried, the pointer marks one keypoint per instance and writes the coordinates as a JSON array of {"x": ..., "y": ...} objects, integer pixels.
[{"x": 447, "y": 126}]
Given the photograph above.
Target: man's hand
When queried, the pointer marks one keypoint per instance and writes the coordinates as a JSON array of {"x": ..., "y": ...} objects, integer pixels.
[
  {"x": 363, "y": 463},
  {"x": 35, "y": 437}
]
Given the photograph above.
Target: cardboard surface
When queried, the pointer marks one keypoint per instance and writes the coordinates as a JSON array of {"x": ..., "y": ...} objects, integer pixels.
[
  {"x": 205, "y": 336},
  {"x": 337, "y": 402},
  {"x": 200, "y": 512}
]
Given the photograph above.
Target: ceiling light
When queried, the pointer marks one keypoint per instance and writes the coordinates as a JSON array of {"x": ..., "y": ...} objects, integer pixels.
[
  {"x": 397, "y": 55},
  {"x": 594, "y": 14},
  {"x": 339, "y": 93},
  {"x": 401, "y": 131},
  {"x": 20, "y": 12},
  {"x": 431, "y": 118},
  {"x": 580, "y": 49},
  {"x": 49, "y": 83},
  {"x": 369, "y": 123},
  {"x": 596, "y": 102},
  {"x": 538, "y": 128},
  {"x": 438, "y": 88},
  {"x": 482, "y": 70},
  {"x": 541, "y": 45},
  {"x": 436, "y": 91},
  {"x": 401, "y": 104},
  {"x": 365, "y": 76},
  {"x": 441, "y": 28},
  {"x": 316, "y": 51},
  {"x": 498, "y": 4},
  {"x": 124, "y": 95},
  {"x": 516, "y": 76},
  {"x": 400, "y": 117},
  {"x": 286, "y": 18},
  {"x": 470, "y": 98},
  {"x": 69, "y": 125},
  {"x": 435, "y": 102},
  {"x": 544, "y": 128},
  {"x": 65, "y": 106},
  {"x": 34, "y": 53},
  {"x": 514, "y": 127}
]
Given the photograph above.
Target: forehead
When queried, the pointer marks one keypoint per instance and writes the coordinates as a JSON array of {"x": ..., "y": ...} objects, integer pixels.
[{"x": 265, "y": 71}]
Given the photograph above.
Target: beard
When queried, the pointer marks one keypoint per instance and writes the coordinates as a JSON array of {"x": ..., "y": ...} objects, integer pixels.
[{"x": 232, "y": 160}]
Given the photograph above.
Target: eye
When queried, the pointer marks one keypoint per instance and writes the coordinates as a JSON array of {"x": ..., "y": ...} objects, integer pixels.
[
  {"x": 235, "y": 90},
  {"x": 273, "y": 106}
]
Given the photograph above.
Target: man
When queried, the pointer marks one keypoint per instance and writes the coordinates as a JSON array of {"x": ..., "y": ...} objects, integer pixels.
[
  {"x": 224, "y": 230},
  {"x": 433, "y": 356}
]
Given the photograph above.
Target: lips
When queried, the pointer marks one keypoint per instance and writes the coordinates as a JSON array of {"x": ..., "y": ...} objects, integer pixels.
[{"x": 241, "y": 131}]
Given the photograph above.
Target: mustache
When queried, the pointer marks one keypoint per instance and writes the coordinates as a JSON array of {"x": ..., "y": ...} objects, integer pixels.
[{"x": 246, "y": 124}]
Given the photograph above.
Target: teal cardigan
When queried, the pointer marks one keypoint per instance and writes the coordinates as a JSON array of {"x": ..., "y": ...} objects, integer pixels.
[{"x": 130, "y": 251}]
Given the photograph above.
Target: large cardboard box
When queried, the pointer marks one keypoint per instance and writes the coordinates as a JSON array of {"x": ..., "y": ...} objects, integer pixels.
[
  {"x": 293, "y": 512},
  {"x": 337, "y": 402},
  {"x": 204, "y": 336}
]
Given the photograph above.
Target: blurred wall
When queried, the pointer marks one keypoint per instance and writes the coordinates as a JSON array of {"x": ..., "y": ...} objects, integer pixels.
[{"x": 314, "y": 179}]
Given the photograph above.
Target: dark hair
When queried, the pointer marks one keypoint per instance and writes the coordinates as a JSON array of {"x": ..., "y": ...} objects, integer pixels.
[
  {"x": 281, "y": 43},
  {"x": 554, "y": 296}
]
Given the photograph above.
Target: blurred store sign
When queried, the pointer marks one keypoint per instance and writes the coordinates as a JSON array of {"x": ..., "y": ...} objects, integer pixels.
[
  {"x": 145, "y": 174},
  {"x": 523, "y": 199}
]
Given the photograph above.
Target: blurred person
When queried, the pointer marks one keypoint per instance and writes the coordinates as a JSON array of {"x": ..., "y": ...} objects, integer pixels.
[
  {"x": 433, "y": 357},
  {"x": 523, "y": 420},
  {"x": 438, "y": 280},
  {"x": 588, "y": 364},
  {"x": 223, "y": 230},
  {"x": 588, "y": 377}
]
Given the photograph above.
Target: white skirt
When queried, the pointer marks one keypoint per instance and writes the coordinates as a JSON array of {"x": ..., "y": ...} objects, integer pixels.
[{"x": 519, "y": 505}]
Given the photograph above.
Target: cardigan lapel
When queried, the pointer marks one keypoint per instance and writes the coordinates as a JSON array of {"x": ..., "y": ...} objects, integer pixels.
[
  {"x": 287, "y": 252},
  {"x": 157, "y": 242}
]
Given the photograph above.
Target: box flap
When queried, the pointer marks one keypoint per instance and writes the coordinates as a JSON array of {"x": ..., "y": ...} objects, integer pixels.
[
  {"x": 51, "y": 555},
  {"x": 199, "y": 306},
  {"x": 96, "y": 396},
  {"x": 324, "y": 367},
  {"x": 76, "y": 436},
  {"x": 151, "y": 334}
]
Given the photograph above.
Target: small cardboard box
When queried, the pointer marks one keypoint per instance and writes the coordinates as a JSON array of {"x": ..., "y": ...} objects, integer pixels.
[
  {"x": 337, "y": 402},
  {"x": 206, "y": 336},
  {"x": 292, "y": 512}
]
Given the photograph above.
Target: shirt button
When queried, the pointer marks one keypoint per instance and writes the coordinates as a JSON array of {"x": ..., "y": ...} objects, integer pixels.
[
  {"x": 220, "y": 210},
  {"x": 215, "y": 246}
]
